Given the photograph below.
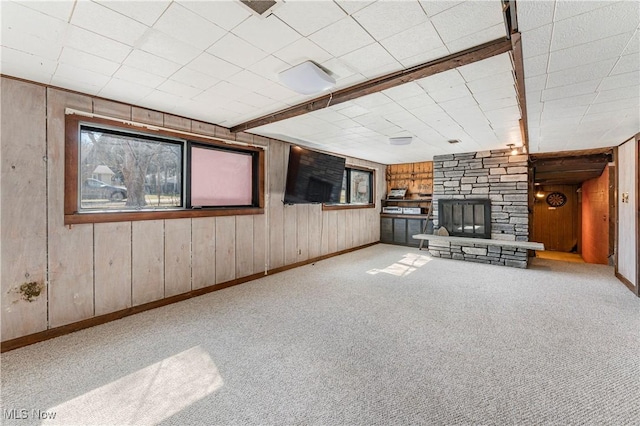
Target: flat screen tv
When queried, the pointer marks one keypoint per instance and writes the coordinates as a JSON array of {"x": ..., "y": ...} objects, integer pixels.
[{"x": 313, "y": 177}]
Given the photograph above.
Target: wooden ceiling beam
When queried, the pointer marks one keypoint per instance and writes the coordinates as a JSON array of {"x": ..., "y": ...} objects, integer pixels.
[{"x": 468, "y": 56}]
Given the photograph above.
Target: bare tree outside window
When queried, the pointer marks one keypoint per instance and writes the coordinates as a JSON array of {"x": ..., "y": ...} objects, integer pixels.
[{"x": 147, "y": 173}]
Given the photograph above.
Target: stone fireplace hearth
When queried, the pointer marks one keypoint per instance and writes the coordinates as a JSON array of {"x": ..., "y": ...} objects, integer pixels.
[{"x": 498, "y": 177}]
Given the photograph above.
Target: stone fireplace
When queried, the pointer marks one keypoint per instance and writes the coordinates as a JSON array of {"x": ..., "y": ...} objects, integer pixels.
[{"x": 499, "y": 182}]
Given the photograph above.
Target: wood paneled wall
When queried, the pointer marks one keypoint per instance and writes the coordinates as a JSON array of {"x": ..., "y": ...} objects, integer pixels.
[
  {"x": 628, "y": 212},
  {"x": 595, "y": 219},
  {"x": 416, "y": 177},
  {"x": 88, "y": 270},
  {"x": 556, "y": 227}
]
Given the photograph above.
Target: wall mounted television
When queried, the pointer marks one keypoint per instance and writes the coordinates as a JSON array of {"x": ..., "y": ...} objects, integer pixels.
[{"x": 313, "y": 177}]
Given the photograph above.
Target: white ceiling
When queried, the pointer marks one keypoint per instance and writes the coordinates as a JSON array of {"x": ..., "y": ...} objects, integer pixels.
[{"x": 216, "y": 61}]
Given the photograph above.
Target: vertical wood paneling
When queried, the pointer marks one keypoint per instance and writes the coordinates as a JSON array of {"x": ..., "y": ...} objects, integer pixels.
[
  {"x": 112, "y": 258},
  {"x": 203, "y": 234},
  {"x": 315, "y": 228},
  {"x": 332, "y": 230},
  {"x": 290, "y": 234},
  {"x": 595, "y": 219},
  {"x": 147, "y": 272},
  {"x": 177, "y": 256},
  {"x": 302, "y": 224},
  {"x": 178, "y": 123},
  {"x": 276, "y": 208},
  {"x": 23, "y": 201},
  {"x": 71, "y": 269},
  {"x": 342, "y": 229},
  {"x": 225, "y": 249},
  {"x": 244, "y": 246},
  {"x": 627, "y": 211},
  {"x": 324, "y": 235},
  {"x": 259, "y": 243},
  {"x": 556, "y": 227},
  {"x": 348, "y": 224},
  {"x": 111, "y": 109}
]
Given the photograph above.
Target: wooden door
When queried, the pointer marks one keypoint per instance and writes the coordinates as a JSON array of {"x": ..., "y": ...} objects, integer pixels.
[{"x": 556, "y": 225}]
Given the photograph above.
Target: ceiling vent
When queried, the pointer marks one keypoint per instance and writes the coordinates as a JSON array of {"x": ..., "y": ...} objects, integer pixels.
[
  {"x": 400, "y": 140},
  {"x": 260, "y": 7},
  {"x": 453, "y": 141}
]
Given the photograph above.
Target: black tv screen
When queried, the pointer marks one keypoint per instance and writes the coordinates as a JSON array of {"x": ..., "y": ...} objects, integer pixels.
[{"x": 313, "y": 177}]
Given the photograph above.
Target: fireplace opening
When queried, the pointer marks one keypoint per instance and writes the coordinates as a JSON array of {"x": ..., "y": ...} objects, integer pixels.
[{"x": 466, "y": 218}]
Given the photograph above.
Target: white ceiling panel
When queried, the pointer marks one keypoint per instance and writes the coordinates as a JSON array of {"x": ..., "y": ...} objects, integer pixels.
[
  {"x": 104, "y": 21},
  {"x": 308, "y": 17},
  {"x": 217, "y": 62}
]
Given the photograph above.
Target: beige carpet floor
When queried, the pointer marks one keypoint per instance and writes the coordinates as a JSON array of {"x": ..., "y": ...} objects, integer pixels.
[{"x": 381, "y": 336}]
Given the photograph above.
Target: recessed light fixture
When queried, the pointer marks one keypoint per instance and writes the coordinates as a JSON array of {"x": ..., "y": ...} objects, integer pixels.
[
  {"x": 452, "y": 141},
  {"x": 400, "y": 140},
  {"x": 513, "y": 148},
  {"x": 307, "y": 78}
]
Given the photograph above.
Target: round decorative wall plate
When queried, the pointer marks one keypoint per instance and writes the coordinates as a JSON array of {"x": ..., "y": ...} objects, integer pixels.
[{"x": 556, "y": 199}]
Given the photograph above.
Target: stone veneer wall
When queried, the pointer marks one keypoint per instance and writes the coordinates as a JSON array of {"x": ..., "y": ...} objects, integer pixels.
[{"x": 498, "y": 176}]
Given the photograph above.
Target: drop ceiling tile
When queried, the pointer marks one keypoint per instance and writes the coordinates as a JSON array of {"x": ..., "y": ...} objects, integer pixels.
[
  {"x": 617, "y": 94},
  {"x": 82, "y": 77},
  {"x": 278, "y": 92},
  {"x": 570, "y": 91},
  {"x": 536, "y": 65},
  {"x": 72, "y": 83},
  {"x": 594, "y": 71},
  {"x": 28, "y": 43},
  {"x": 188, "y": 27},
  {"x": 87, "y": 41},
  {"x": 627, "y": 64},
  {"x": 138, "y": 76},
  {"x": 432, "y": 8},
  {"x": 467, "y": 18},
  {"x": 562, "y": 113},
  {"x": 162, "y": 101},
  {"x": 302, "y": 50},
  {"x": 257, "y": 100},
  {"x": 353, "y": 111},
  {"x": 449, "y": 93},
  {"x": 486, "y": 68},
  {"x": 19, "y": 64},
  {"x": 224, "y": 90},
  {"x": 150, "y": 63},
  {"x": 176, "y": 88},
  {"x": 574, "y": 101},
  {"x": 124, "y": 91},
  {"x": 533, "y": 14},
  {"x": 497, "y": 93},
  {"x": 373, "y": 100},
  {"x": 225, "y": 14},
  {"x": 213, "y": 66},
  {"x": 194, "y": 78},
  {"x": 629, "y": 79},
  {"x": 403, "y": 91},
  {"x": 341, "y": 37},
  {"x": 384, "y": 19},
  {"x": 22, "y": 19},
  {"x": 499, "y": 103},
  {"x": 424, "y": 112},
  {"x": 60, "y": 9},
  {"x": 587, "y": 53},
  {"x": 235, "y": 50},
  {"x": 308, "y": 17},
  {"x": 442, "y": 80},
  {"x": 565, "y": 10},
  {"x": 458, "y": 103},
  {"x": 424, "y": 57},
  {"x": 618, "y": 105},
  {"x": 418, "y": 101},
  {"x": 167, "y": 47},
  {"x": 269, "y": 67},
  {"x": 414, "y": 41},
  {"x": 248, "y": 80},
  {"x": 386, "y": 109},
  {"x": 633, "y": 46},
  {"x": 83, "y": 60},
  {"x": 535, "y": 84},
  {"x": 537, "y": 41},
  {"x": 368, "y": 59},
  {"x": 496, "y": 81},
  {"x": 269, "y": 34},
  {"x": 494, "y": 32},
  {"x": 101, "y": 20},
  {"x": 146, "y": 12},
  {"x": 613, "y": 19}
]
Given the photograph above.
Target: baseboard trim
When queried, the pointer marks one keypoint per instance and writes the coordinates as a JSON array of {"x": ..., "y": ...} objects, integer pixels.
[
  {"x": 627, "y": 283},
  {"x": 51, "y": 333}
]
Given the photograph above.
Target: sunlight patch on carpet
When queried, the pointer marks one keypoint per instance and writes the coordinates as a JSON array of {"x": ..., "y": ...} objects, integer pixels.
[
  {"x": 409, "y": 263},
  {"x": 148, "y": 396}
]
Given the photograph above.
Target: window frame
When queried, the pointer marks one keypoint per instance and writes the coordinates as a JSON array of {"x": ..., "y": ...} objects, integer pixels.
[
  {"x": 348, "y": 205},
  {"x": 72, "y": 213}
]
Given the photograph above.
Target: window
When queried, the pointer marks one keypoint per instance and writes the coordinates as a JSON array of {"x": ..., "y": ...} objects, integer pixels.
[
  {"x": 357, "y": 189},
  {"x": 121, "y": 172}
]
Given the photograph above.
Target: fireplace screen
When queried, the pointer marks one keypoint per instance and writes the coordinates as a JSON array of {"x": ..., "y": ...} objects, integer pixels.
[{"x": 466, "y": 218}]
